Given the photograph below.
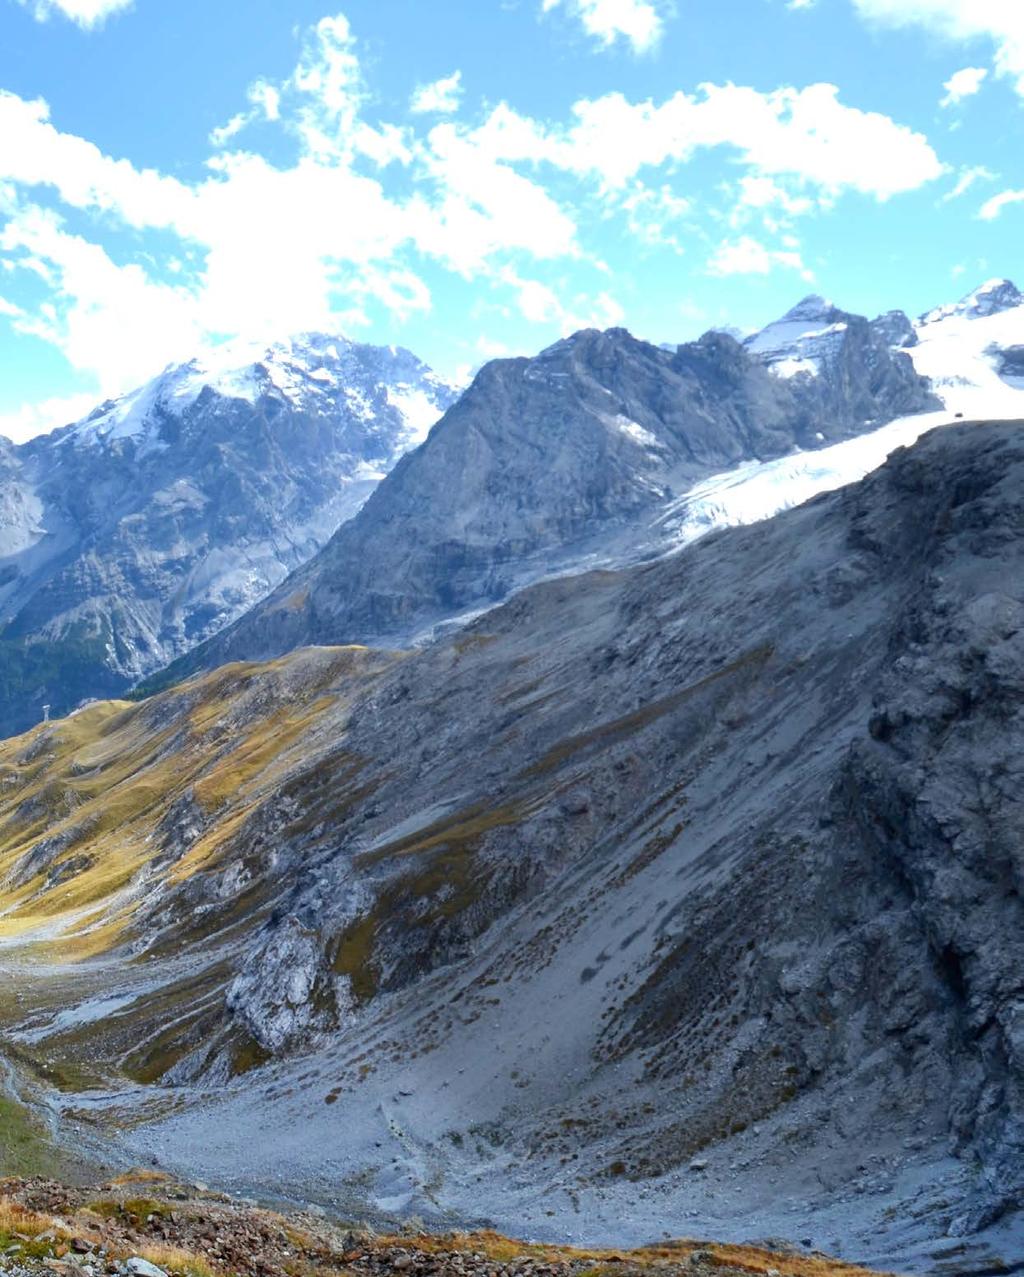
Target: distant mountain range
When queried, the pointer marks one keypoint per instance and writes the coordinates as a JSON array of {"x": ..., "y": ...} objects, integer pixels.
[
  {"x": 583, "y": 456},
  {"x": 132, "y": 535},
  {"x": 218, "y": 511}
]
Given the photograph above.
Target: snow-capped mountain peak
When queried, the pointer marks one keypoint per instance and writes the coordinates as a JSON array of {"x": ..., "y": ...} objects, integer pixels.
[
  {"x": 813, "y": 309},
  {"x": 969, "y": 351},
  {"x": 800, "y": 341},
  {"x": 166, "y": 513},
  {"x": 324, "y": 374},
  {"x": 991, "y": 298}
]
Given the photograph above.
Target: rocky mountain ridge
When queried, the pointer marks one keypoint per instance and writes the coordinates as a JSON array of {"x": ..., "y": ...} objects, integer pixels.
[
  {"x": 565, "y": 461},
  {"x": 681, "y": 893},
  {"x": 133, "y": 534}
]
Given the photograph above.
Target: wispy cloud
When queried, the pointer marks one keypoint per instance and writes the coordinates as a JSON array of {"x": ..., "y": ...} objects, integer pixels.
[
  {"x": 963, "y": 84},
  {"x": 968, "y": 178},
  {"x": 992, "y": 208},
  {"x": 86, "y": 13},
  {"x": 638, "y": 22},
  {"x": 442, "y": 97}
]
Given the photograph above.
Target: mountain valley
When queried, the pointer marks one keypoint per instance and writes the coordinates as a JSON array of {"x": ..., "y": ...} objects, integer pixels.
[{"x": 684, "y": 896}]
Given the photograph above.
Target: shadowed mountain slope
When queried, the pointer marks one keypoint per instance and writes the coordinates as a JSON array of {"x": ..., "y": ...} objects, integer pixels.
[
  {"x": 714, "y": 859},
  {"x": 132, "y": 535},
  {"x": 553, "y": 461}
]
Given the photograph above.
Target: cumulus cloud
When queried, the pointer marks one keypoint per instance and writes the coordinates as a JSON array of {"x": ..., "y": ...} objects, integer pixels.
[
  {"x": 991, "y": 209},
  {"x": 260, "y": 246},
  {"x": 748, "y": 256},
  {"x": 636, "y": 21},
  {"x": 541, "y": 304},
  {"x": 807, "y": 135},
  {"x": 86, "y": 13},
  {"x": 106, "y": 318},
  {"x": 29, "y": 420},
  {"x": 35, "y": 153},
  {"x": 442, "y": 97},
  {"x": 999, "y": 21},
  {"x": 963, "y": 84}
]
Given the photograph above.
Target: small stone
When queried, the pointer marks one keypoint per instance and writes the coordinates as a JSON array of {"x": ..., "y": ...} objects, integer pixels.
[
  {"x": 699, "y": 1164},
  {"x": 139, "y": 1267}
]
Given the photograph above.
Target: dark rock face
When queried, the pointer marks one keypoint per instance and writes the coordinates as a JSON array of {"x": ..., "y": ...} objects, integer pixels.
[
  {"x": 895, "y": 329},
  {"x": 547, "y": 462},
  {"x": 714, "y": 863},
  {"x": 992, "y": 297},
  {"x": 130, "y": 537},
  {"x": 1011, "y": 361}
]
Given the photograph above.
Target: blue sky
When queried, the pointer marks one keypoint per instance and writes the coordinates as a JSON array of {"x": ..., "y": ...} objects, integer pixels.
[{"x": 471, "y": 178}]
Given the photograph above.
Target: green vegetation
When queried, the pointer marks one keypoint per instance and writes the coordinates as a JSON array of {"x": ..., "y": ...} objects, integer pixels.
[
  {"x": 25, "y": 1147},
  {"x": 67, "y": 666}
]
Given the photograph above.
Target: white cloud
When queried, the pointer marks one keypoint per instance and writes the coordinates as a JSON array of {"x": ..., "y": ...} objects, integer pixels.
[
  {"x": 266, "y": 105},
  {"x": 540, "y": 304},
  {"x": 748, "y": 256},
  {"x": 968, "y": 177},
  {"x": 991, "y": 209},
  {"x": 766, "y": 195},
  {"x": 225, "y": 132},
  {"x": 486, "y": 206},
  {"x": 87, "y": 13},
  {"x": 801, "y": 4},
  {"x": 264, "y": 247},
  {"x": 1000, "y": 21},
  {"x": 804, "y": 134},
  {"x": 107, "y": 319},
  {"x": 655, "y": 215},
  {"x": 442, "y": 97},
  {"x": 267, "y": 98},
  {"x": 963, "y": 84},
  {"x": 637, "y": 21},
  {"x": 34, "y": 153},
  {"x": 9, "y": 309},
  {"x": 269, "y": 249},
  {"x": 40, "y": 418}
]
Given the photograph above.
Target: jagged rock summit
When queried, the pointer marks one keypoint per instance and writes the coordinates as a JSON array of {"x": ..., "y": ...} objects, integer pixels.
[
  {"x": 990, "y": 298},
  {"x": 559, "y": 461},
  {"x": 135, "y": 533}
]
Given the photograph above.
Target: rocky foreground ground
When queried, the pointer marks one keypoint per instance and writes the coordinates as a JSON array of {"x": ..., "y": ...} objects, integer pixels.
[{"x": 146, "y": 1225}]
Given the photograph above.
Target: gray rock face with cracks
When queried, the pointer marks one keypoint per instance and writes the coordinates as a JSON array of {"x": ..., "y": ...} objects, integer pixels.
[
  {"x": 129, "y": 537},
  {"x": 563, "y": 460}
]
